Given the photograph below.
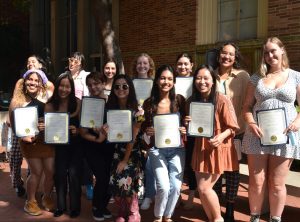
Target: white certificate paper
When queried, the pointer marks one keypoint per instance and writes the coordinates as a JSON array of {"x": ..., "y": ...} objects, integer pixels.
[
  {"x": 92, "y": 112},
  {"x": 143, "y": 89},
  {"x": 26, "y": 121},
  {"x": 119, "y": 126},
  {"x": 166, "y": 127},
  {"x": 272, "y": 123},
  {"x": 203, "y": 115},
  {"x": 56, "y": 128},
  {"x": 184, "y": 86}
]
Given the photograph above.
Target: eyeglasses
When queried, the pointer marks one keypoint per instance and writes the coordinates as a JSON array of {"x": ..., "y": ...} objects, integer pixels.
[
  {"x": 123, "y": 87},
  {"x": 230, "y": 54},
  {"x": 75, "y": 61}
]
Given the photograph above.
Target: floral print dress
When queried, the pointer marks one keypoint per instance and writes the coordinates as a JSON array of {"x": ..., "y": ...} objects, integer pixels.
[{"x": 130, "y": 181}]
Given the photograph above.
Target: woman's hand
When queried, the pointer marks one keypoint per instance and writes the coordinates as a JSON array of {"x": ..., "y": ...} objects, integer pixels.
[
  {"x": 293, "y": 127},
  {"x": 186, "y": 120},
  {"x": 121, "y": 166},
  {"x": 255, "y": 130},
  {"x": 150, "y": 131},
  {"x": 217, "y": 140},
  {"x": 73, "y": 129},
  {"x": 104, "y": 129},
  {"x": 41, "y": 126},
  {"x": 29, "y": 139},
  {"x": 182, "y": 130}
]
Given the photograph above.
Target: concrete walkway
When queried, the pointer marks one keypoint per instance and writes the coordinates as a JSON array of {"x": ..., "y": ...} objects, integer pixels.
[{"x": 11, "y": 207}]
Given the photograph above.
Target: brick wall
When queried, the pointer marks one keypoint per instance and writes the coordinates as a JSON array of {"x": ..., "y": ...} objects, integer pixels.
[
  {"x": 284, "y": 22},
  {"x": 163, "y": 29}
]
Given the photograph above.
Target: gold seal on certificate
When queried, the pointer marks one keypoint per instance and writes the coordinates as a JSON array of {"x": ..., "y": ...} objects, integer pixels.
[
  {"x": 26, "y": 126},
  {"x": 92, "y": 112},
  {"x": 56, "y": 128},
  {"x": 92, "y": 123},
  {"x": 273, "y": 138},
  {"x": 167, "y": 141},
  {"x": 119, "y": 136},
  {"x": 202, "y": 123},
  {"x": 200, "y": 129},
  {"x": 272, "y": 123},
  {"x": 56, "y": 138},
  {"x": 166, "y": 127}
]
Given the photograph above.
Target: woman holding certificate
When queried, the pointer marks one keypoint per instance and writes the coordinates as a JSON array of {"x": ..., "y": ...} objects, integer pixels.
[
  {"x": 15, "y": 157},
  {"x": 164, "y": 111},
  {"x": 68, "y": 157},
  {"x": 271, "y": 143},
  {"x": 143, "y": 70},
  {"x": 213, "y": 121},
  {"x": 39, "y": 156},
  {"x": 98, "y": 152},
  {"x": 126, "y": 175}
]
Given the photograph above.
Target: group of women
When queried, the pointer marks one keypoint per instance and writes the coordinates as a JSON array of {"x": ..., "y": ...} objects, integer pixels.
[{"x": 118, "y": 168}]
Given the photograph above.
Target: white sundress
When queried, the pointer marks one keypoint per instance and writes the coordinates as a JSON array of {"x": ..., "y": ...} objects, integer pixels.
[{"x": 267, "y": 98}]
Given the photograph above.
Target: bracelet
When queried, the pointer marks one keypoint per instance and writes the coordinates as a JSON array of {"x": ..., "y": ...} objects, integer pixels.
[{"x": 252, "y": 123}]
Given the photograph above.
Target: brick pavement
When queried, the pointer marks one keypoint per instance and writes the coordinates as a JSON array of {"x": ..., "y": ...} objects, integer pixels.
[{"x": 11, "y": 207}]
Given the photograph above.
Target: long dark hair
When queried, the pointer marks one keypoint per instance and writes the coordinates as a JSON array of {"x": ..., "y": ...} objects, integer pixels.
[
  {"x": 196, "y": 95},
  {"x": 155, "y": 92},
  {"x": 132, "y": 102},
  {"x": 238, "y": 57},
  {"x": 108, "y": 60},
  {"x": 55, "y": 99}
]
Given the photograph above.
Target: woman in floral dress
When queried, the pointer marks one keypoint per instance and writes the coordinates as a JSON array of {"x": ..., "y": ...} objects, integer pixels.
[{"x": 126, "y": 175}]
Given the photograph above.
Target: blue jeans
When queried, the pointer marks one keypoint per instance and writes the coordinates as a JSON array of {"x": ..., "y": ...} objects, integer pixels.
[
  {"x": 150, "y": 186},
  {"x": 168, "y": 168}
]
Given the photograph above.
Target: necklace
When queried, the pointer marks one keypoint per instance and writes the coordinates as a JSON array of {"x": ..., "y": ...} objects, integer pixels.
[{"x": 275, "y": 72}]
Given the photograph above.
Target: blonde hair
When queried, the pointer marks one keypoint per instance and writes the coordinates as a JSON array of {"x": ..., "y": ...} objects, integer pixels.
[
  {"x": 151, "y": 72},
  {"x": 264, "y": 68}
]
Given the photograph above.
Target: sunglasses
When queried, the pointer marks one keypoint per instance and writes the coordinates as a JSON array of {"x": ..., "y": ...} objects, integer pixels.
[
  {"x": 123, "y": 87},
  {"x": 73, "y": 60}
]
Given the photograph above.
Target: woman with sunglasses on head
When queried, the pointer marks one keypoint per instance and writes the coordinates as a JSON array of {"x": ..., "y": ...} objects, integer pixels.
[
  {"x": 231, "y": 81},
  {"x": 126, "y": 175},
  {"x": 68, "y": 158},
  {"x": 15, "y": 157},
  {"x": 98, "y": 152},
  {"x": 275, "y": 86},
  {"x": 167, "y": 163},
  {"x": 39, "y": 156},
  {"x": 212, "y": 156}
]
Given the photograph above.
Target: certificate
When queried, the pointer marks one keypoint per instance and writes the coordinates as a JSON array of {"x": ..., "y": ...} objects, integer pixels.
[
  {"x": 184, "y": 86},
  {"x": 92, "y": 112},
  {"x": 119, "y": 126},
  {"x": 203, "y": 116},
  {"x": 166, "y": 127},
  {"x": 56, "y": 128},
  {"x": 26, "y": 121},
  {"x": 143, "y": 89},
  {"x": 272, "y": 122}
]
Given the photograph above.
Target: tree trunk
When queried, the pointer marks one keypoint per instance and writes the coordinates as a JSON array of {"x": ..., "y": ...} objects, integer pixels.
[{"x": 102, "y": 12}]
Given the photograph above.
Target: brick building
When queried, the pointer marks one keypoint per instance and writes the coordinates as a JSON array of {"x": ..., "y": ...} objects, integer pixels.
[{"x": 163, "y": 29}]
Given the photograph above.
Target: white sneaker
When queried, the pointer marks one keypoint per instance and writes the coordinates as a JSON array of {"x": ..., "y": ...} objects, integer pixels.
[{"x": 146, "y": 204}]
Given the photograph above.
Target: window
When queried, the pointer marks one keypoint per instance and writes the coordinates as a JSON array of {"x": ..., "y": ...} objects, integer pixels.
[
  {"x": 237, "y": 19},
  {"x": 68, "y": 19}
]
